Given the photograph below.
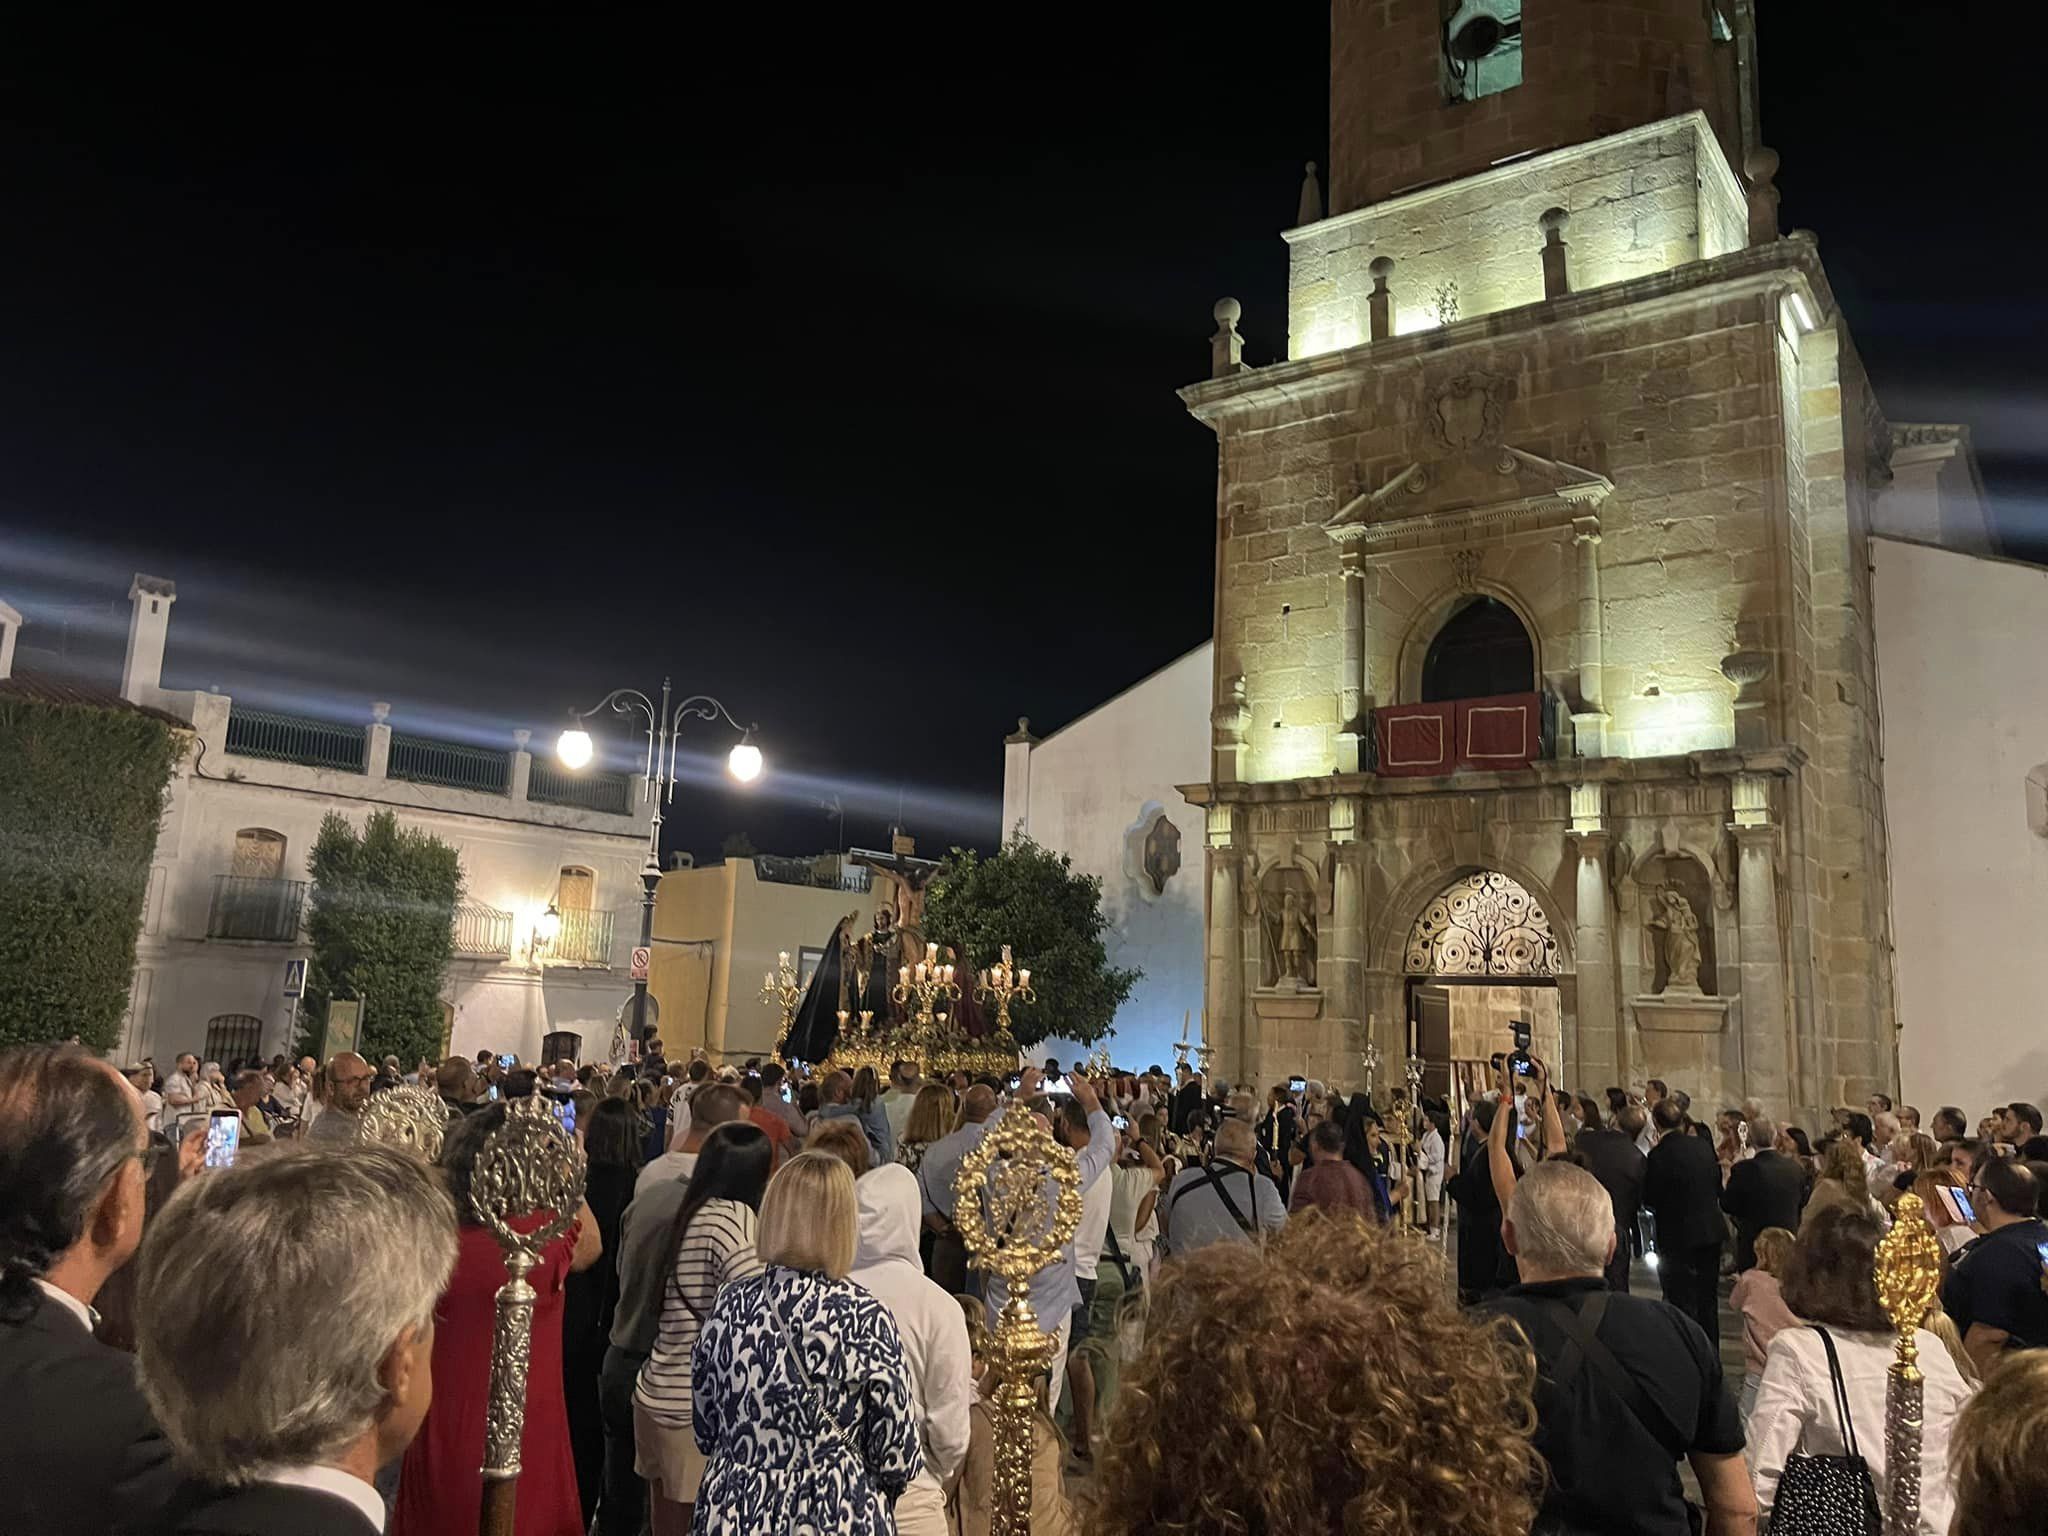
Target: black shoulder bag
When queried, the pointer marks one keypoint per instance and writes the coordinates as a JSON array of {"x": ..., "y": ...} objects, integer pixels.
[
  {"x": 1215, "y": 1181},
  {"x": 1828, "y": 1495}
]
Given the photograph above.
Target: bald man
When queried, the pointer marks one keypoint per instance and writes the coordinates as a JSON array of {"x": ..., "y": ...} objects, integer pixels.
[
  {"x": 348, "y": 1089},
  {"x": 935, "y": 1174}
]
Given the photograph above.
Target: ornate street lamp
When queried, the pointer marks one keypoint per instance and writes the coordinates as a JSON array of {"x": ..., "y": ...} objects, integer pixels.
[{"x": 657, "y": 782}]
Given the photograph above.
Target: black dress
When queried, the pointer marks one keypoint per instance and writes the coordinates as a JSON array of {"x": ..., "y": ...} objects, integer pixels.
[{"x": 588, "y": 1300}]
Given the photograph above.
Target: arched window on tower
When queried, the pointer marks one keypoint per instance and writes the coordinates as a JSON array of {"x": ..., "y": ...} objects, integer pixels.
[{"x": 1481, "y": 651}]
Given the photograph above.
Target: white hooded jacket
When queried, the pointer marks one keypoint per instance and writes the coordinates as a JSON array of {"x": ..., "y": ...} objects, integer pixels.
[{"x": 934, "y": 1333}]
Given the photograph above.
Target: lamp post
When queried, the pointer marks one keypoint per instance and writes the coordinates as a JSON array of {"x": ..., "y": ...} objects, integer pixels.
[{"x": 658, "y": 782}]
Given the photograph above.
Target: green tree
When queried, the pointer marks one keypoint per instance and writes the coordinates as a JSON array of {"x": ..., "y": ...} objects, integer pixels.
[
  {"x": 81, "y": 797},
  {"x": 1032, "y": 899},
  {"x": 381, "y": 920}
]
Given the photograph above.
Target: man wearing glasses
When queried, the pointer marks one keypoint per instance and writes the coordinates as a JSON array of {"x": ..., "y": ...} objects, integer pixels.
[
  {"x": 74, "y": 1157},
  {"x": 348, "y": 1090},
  {"x": 1994, "y": 1291}
]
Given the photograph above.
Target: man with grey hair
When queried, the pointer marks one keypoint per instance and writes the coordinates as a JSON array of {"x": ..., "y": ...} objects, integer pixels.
[
  {"x": 1625, "y": 1387},
  {"x": 328, "y": 1376},
  {"x": 1225, "y": 1202}
]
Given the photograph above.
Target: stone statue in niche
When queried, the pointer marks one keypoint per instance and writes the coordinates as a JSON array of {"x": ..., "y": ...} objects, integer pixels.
[
  {"x": 1287, "y": 916},
  {"x": 1678, "y": 940}
]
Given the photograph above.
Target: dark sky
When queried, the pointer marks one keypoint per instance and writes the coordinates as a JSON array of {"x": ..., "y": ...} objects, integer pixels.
[{"x": 484, "y": 363}]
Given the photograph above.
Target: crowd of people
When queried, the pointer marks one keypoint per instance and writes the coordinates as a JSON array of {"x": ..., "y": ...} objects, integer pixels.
[{"x": 763, "y": 1317}]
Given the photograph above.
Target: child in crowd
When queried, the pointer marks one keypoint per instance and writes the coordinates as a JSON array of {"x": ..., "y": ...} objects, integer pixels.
[{"x": 1764, "y": 1313}]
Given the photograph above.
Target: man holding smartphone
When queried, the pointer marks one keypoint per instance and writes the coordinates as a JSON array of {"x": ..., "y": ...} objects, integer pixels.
[{"x": 1994, "y": 1290}]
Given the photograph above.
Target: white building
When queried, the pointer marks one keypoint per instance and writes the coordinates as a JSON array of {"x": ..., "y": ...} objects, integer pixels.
[{"x": 228, "y": 888}]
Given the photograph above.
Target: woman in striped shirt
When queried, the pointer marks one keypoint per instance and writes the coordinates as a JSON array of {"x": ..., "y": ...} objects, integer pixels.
[{"x": 712, "y": 1243}]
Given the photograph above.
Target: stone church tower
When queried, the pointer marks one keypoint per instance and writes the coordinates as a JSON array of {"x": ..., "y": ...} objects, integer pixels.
[{"x": 1544, "y": 664}]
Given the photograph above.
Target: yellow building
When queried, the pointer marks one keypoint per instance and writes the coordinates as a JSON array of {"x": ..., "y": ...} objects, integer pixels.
[{"x": 719, "y": 930}]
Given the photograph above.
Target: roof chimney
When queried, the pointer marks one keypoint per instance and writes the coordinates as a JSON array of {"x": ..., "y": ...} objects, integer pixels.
[
  {"x": 142, "y": 670},
  {"x": 10, "y": 631}
]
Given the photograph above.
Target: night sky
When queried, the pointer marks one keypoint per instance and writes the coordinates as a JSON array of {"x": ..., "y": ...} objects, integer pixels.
[{"x": 482, "y": 365}]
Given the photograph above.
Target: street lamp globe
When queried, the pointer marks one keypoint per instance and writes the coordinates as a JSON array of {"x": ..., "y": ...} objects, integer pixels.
[
  {"x": 745, "y": 762},
  {"x": 574, "y": 749},
  {"x": 548, "y": 926}
]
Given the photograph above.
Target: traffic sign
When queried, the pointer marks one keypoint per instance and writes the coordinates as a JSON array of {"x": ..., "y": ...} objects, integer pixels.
[
  {"x": 641, "y": 955},
  {"x": 295, "y": 978}
]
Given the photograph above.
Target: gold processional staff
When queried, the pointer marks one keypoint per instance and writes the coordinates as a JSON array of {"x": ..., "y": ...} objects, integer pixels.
[
  {"x": 1908, "y": 1275},
  {"x": 1017, "y": 1202}
]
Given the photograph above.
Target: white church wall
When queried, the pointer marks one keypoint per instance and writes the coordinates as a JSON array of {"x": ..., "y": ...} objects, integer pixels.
[
  {"x": 1093, "y": 788},
  {"x": 1965, "y": 724}
]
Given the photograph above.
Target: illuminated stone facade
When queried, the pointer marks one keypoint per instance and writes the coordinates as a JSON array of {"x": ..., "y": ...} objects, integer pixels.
[{"x": 1642, "y": 427}]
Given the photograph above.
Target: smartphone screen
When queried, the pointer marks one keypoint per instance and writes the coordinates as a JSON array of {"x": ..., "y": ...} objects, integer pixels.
[
  {"x": 1297, "y": 1084},
  {"x": 1957, "y": 1204},
  {"x": 223, "y": 1139},
  {"x": 787, "y": 1096},
  {"x": 565, "y": 1111},
  {"x": 508, "y": 1061},
  {"x": 494, "y": 1090},
  {"x": 1121, "y": 1123}
]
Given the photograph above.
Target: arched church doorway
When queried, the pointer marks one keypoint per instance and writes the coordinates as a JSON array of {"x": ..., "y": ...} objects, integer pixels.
[
  {"x": 1481, "y": 652},
  {"x": 1480, "y": 957}
]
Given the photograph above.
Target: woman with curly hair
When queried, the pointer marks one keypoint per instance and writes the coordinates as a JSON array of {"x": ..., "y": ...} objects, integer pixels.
[{"x": 1396, "y": 1414}]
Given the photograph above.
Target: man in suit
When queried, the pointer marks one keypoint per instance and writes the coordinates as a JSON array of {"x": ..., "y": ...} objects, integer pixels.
[
  {"x": 330, "y": 1376},
  {"x": 1682, "y": 1188},
  {"x": 82, "y": 1453},
  {"x": 1612, "y": 1158},
  {"x": 1763, "y": 1191}
]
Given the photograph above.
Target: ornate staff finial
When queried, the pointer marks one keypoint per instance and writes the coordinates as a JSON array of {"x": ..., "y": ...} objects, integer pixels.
[
  {"x": 407, "y": 1116},
  {"x": 529, "y": 1166},
  {"x": 1908, "y": 1275},
  {"x": 1017, "y": 1202}
]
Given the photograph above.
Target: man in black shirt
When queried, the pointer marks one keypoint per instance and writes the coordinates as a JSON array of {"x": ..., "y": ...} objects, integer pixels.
[
  {"x": 1994, "y": 1289},
  {"x": 1682, "y": 1188},
  {"x": 1625, "y": 1385},
  {"x": 1763, "y": 1191},
  {"x": 1612, "y": 1158}
]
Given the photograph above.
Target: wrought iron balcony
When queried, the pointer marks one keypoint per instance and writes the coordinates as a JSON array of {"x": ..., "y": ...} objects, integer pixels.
[
  {"x": 608, "y": 792},
  {"x": 423, "y": 760},
  {"x": 482, "y": 931},
  {"x": 584, "y": 938},
  {"x": 249, "y": 907},
  {"x": 295, "y": 739}
]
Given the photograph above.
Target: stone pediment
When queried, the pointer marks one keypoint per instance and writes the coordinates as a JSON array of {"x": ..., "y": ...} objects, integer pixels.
[{"x": 1487, "y": 488}]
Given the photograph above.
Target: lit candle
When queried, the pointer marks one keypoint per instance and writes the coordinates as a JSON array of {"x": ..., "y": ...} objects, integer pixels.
[
  {"x": 1024, "y": 977},
  {"x": 903, "y": 975},
  {"x": 842, "y": 1018},
  {"x": 768, "y": 979},
  {"x": 783, "y": 959},
  {"x": 931, "y": 954},
  {"x": 1006, "y": 957}
]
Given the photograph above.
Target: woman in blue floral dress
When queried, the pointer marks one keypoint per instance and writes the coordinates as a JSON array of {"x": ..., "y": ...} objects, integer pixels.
[{"x": 799, "y": 1389}]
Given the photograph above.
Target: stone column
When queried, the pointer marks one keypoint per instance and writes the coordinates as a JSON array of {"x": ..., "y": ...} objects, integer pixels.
[
  {"x": 1601, "y": 1034},
  {"x": 522, "y": 765},
  {"x": 1223, "y": 994},
  {"x": 1768, "y": 1049},
  {"x": 1589, "y": 721},
  {"x": 377, "y": 743},
  {"x": 1342, "y": 948},
  {"x": 1353, "y": 697}
]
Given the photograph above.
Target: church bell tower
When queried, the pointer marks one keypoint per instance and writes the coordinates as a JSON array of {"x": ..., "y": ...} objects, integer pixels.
[{"x": 1544, "y": 684}]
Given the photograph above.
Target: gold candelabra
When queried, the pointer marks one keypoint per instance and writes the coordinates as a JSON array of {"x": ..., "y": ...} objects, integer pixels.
[
  {"x": 407, "y": 1116},
  {"x": 1004, "y": 984},
  {"x": 1908, "y": 1275},
  {"x": 1100, "y": 1063},
  {"x": 929, "y": 982},
  {"x": 779, "y": 990},
  {"x": 1017, "y": 1202},
  {"x": 529, "y": 1166}
]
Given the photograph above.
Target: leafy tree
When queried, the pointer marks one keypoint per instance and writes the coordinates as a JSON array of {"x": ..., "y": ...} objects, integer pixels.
[
  {"x": 381, "y": 920},
  {"x": 1032, "y": 899},
  {"x": 81, "y": 797}
]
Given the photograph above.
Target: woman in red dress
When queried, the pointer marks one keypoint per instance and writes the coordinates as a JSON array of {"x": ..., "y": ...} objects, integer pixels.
[{"x": 440, "y": 1486}]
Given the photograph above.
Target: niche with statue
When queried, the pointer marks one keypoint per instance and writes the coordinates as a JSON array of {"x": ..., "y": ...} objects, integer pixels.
[
  {"x": 1675, "y": 911},
  {"x": 1287, "y": 929}
]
